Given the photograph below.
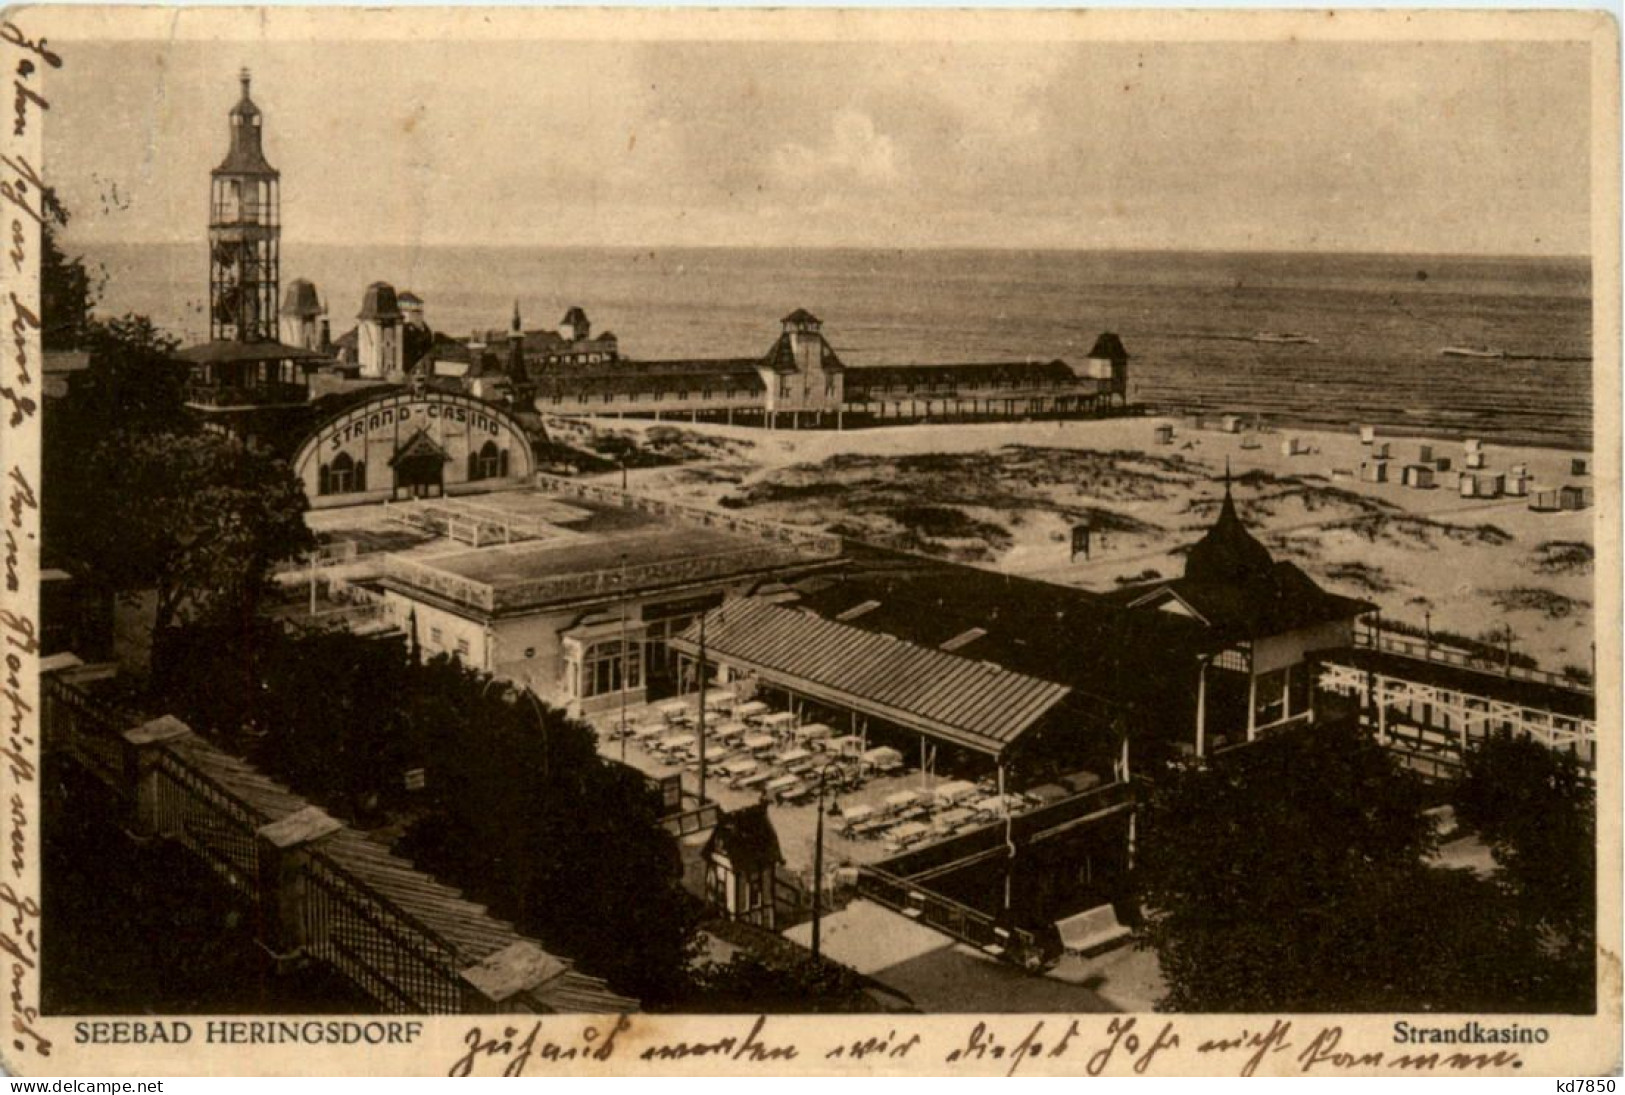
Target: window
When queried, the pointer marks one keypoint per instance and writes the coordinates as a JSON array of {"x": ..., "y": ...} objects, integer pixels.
[
  {"x": 462, "y": 648},
  {"x": 489, "y": 463},
  {"x": 435, "y": 637},
  {"x": 1271, "y": 697},
  {"x": 1297, "y": 690},
  {"x": 784, "y": 387},
  {"x": 342, "y": 476},
  {"x": 829, "y": 387},
  {"x": 601, "y": 668}
]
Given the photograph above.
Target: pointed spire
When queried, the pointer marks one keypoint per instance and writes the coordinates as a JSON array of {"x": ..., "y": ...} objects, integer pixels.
[
  {"x": 244, "y": 78},
  {"x": 516, "y": 324}
]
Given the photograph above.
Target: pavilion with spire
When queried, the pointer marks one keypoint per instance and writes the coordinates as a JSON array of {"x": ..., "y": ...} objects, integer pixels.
[{"x": 1266, "y": 621}]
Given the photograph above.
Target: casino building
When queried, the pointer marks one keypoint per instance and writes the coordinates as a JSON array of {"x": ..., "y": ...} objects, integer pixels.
[{"x": 405, "y": 444}]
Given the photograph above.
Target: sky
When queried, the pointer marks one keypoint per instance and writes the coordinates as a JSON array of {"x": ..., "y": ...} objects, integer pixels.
[{"x": 1427, "y": 147}]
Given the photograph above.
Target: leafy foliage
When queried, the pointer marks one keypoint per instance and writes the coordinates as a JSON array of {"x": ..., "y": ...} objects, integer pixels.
[
  {"x": 66, "y": 295},
  {"x": 748, "y": 983},
  {"x": 520, "y": 810},
  {"x": 198, "y": 517},
  {"x": 1536, "y": 810},
  {"x": 1291, "y": 876}
]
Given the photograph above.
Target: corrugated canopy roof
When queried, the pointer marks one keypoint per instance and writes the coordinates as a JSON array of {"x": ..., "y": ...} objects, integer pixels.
[{"x": 971, "y": 703}]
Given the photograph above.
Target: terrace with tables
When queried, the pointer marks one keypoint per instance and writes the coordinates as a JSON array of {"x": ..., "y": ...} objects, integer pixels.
[{"x": 878, "y": 803}]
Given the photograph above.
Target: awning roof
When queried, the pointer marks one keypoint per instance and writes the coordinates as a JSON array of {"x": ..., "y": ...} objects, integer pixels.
[
  {"x": 962, "y": 700},
  {"x": 230, "y": 350}
]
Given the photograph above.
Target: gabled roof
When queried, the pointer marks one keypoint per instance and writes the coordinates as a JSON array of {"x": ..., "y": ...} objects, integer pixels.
[
  {"x": 782, "y": 359},
  {"x": 748, "y": 840},
  {"x": 418, "y": 445}
]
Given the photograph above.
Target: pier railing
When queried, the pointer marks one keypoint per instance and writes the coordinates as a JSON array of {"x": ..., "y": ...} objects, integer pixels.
[{"x": 1387, "y": 642}]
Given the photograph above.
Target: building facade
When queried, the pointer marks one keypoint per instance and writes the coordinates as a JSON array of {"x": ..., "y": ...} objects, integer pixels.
[
  {"x": 403, "y": 444},
  {"x": 801, "y": 382}
]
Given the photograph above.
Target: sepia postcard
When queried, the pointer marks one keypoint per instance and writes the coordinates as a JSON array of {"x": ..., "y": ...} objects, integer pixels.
[{"x": 822, "y": 542}]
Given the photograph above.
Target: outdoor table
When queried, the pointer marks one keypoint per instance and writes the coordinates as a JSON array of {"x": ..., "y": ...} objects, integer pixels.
[
  {"x": 790, "y": 756},
  {"x": 716, "y": 700},
  {"x": 955, "y": 791},
  {"x": 901, "y": 800},
  {"x": 755, "y": 779},
  {"x": 1046, "y": 793},
  {"x": 644, "y": 733},
  {"x": 779, "y": 720},
  {"x": 758, "y": 742},
  {"x": 668, "y": 744},
  {"x": 857, "y": 815},
  {"x": 908, "y": 833},
  {"x": 814, "y": 731},
  {"x": 730, "y": 731},
  {"x": 750, "y": 709},
  {"x": 780, "y": 783},
  {"x": 884, "y": 758},
  {"x": 737, "y": 766},
  {"x": 848, "y": 745},
  {"x": 673, "y": 710},
  {"x": 1080, "y": 782},
  {"x": 950, "y": 820}
]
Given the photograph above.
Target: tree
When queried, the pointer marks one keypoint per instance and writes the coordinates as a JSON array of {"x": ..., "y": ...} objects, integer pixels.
[
  {"x": 532, "y": 820},
  {"x": 200, "y": 518},
  {"x": 748, "y": 983},
  {"x": 66, "y": 296},
  {"x": 520, "y": 809},
  {"x": 1536, "y": 809},
  {"x": 1291, "y": 875}
]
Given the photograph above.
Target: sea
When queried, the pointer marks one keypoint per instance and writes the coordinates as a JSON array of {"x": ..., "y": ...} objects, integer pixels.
[{"x": 1377, "y": 323}]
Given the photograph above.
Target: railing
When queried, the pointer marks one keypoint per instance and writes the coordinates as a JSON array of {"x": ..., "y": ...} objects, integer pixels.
[
  {"x": 818, "y": 544},
  {"x": 274, "y": 393},
  {"x": 692, "y": 821},
  {"x": 1452, "y": 718},
  {"x": 946, "y": 915},
  {"x": 307, "y": 902},
  {"x": 1422, "y": 650},
  {"x": 381, "y": 950},
  {"x": 592, "y": 584},
  {"x": 1025, "y": 827},
  {"x": 73, "y": 719}
]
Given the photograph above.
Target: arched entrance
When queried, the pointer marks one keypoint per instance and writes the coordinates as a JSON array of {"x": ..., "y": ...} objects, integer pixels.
[{"x": 420, "y": 467}]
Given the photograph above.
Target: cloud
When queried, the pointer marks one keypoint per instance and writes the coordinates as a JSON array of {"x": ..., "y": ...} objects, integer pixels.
[{"x": 853, "y": 153}]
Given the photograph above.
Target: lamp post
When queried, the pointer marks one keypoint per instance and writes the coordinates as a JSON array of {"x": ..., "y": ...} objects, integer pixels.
[
  {"x": 626, "y": 664},
  {"x": 818, "y": 864}
]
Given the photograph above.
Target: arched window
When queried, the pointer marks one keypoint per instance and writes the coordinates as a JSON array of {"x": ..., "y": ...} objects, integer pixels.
[
  {"x": 342, "y": 476},
  {"x": 490, "y": 461}
]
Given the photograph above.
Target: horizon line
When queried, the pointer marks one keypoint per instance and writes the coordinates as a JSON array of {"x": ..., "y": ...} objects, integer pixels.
[{"x": 66, "y": 238}]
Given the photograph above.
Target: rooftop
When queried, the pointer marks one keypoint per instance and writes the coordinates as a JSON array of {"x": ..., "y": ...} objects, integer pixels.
[
  {"x": 973, "y": 703},
  {"x": 590, "y": 548}
]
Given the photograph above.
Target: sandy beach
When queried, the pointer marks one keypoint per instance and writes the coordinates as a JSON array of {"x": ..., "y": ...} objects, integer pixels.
[{"x": 1005, "y": 496}]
